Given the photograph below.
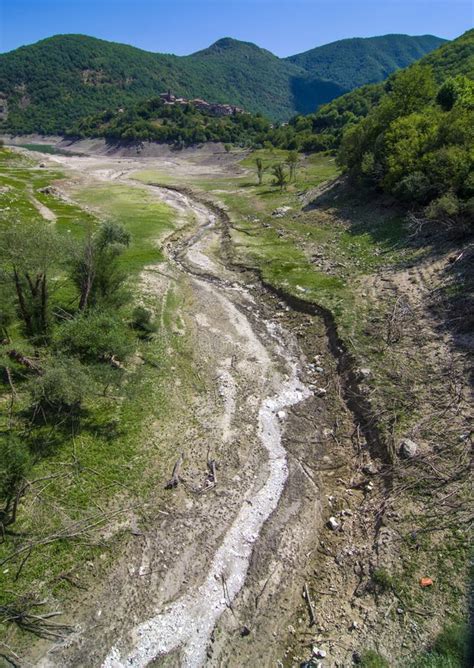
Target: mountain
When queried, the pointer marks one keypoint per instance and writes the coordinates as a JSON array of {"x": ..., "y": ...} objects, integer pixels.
[
  {"x": 449, "y": 60},
  {"x": 47, "y": 86},
  {"x": 351, "y": 63}
]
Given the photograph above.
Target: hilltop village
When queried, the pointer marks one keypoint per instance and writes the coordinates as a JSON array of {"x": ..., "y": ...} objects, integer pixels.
[{"x": 215, "y": 109}]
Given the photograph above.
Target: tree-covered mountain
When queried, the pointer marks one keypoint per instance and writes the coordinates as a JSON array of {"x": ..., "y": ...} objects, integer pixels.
[
  {"x": 329, "y": 122},
  {"x": 351, "y": 63},
  {"x": 47, "y": 86}
]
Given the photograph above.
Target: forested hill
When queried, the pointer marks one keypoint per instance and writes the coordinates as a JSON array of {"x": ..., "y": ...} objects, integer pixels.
[
  {"x": 327, "y": 124},
  {"x": 47, "y": 86},
  {"x": 351, "y": 63}
]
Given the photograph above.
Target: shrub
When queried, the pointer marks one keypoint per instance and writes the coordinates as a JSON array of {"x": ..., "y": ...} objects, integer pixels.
[
  {"x": 15, "y": 462},
  {"x": 95, "y": 336},
  {"x": 444, "y": 209},
  {"x": 143, "y": 322},
  {"x": 63, "y": 386},
  {"x": 382, "y": 579},
  {"x": 415, "y": 187},
  {"x": 371, "y": 659}
]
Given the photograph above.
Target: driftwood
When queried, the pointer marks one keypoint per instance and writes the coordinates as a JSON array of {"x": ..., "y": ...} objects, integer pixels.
[
  {"x": 212, "y": 477},
  {"x": 175, "y": 479},
  {"x": 20, "y": 613},
  {"x": 309, "y": 602}
]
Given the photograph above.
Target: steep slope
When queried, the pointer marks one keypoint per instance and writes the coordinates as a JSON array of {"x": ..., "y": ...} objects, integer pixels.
[
  {"x": 47, "y": 86},
  {"x": 354, "y": 62}
]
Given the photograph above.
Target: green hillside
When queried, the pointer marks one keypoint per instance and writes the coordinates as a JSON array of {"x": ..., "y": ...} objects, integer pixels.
[
  {"x": 451, "y": 59},
  {"x": 181, "y": 125},
  {"x": 48, "y": 86},
  {"x": 417, "y": 142},
  {"x": 354, "y": 62}
]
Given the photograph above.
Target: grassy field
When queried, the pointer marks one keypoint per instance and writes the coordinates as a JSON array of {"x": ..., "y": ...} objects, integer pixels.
[{"x": 147, "y": 219}]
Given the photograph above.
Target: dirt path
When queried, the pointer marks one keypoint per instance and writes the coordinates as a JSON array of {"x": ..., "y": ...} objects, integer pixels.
[{"x": 197, "y": 573}]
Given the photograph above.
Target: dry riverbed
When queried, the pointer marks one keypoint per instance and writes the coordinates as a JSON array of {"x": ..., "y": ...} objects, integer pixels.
[{"x": 262, "y": 553}]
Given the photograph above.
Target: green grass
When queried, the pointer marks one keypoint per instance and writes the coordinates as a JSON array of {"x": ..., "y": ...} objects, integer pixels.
[
  {"x": 117, "y": 455},
  {"x": 372, "y": 659},
  {"x": 450, "y": 649},
  {"x": 142, "y": 215}
]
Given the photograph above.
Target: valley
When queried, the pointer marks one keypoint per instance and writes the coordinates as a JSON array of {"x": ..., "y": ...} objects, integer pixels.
[{"x": 301, "y": 339}]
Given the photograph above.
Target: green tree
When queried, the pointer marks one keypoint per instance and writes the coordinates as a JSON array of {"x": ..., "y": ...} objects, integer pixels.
[
  {"x": 29, "y": 253},
  {"x": 456, "y": 90},
  {"x": 96, "y": 271},
  {"x": 260, "y": 170},
  {"x": 412, "y": 89},
  {"x": 292, "y": 162},
  {"x": 281, "y": 178}
]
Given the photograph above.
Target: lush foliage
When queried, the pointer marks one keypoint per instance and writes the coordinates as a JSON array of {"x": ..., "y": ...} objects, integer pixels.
[
  {"x": 324, "y": 129},
  {"x": 65, "y": 329},
  {"x": 180, "y": 125},
  {"x": 49, "y": 85},
  {"x": 418, "y": 144}
]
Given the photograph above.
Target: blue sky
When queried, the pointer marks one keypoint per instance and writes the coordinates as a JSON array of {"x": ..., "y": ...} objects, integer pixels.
[{"x": 183, "y": 26}]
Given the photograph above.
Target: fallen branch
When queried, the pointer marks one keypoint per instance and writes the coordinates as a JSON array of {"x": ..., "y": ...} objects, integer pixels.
[
  {"x": 309, "y": 602},
  {"x": 18, "y": 613},
  {"x": 175, "y": 479}
]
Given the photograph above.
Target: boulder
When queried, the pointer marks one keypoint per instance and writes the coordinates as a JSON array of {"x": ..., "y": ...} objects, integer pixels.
[
  {"x": 333, "y": 524},
  {"x": 408, "y": 449},
  {"x": 281, "y": 211}
]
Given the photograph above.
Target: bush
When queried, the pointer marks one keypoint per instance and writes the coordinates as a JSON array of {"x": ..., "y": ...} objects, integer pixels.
[
  {"x": 95, "y": 336},
  {"x": 143, "y": 322},
  {"x": 15, "y": 461},
  {"x": 415, "y": 187},
  {"x": 444, "y": 209},
  {"x": 382, "y": 579},
  {"x": 371, "y": 659},
  {"x": 63, "y": 386}
]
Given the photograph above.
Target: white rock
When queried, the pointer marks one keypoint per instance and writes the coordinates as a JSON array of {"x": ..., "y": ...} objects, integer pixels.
[
  {"x": 281, "y": 415},
  {"x": 408, "y": 449},
  {"x": 333, "y": 523},
  {"x": 280, "y": 212},
  {"x": 319, "y": 653}
]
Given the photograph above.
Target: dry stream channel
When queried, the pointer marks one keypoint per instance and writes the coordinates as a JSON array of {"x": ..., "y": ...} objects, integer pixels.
[
  {"x": 187, "y": 624},
  {"x": 258, "y": 367}
]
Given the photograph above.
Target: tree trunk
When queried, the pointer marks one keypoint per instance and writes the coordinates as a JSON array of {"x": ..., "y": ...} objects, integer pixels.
[
  {"x": 86, "y": 285},
  {"x": 22, "y": 304}
]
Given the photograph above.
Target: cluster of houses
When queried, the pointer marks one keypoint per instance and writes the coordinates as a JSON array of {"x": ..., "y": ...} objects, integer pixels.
[{"x": 214, "y": 109}]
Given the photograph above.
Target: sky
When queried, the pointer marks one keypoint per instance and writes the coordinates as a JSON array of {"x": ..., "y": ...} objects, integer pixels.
[{"x": 285, "y": 27}]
